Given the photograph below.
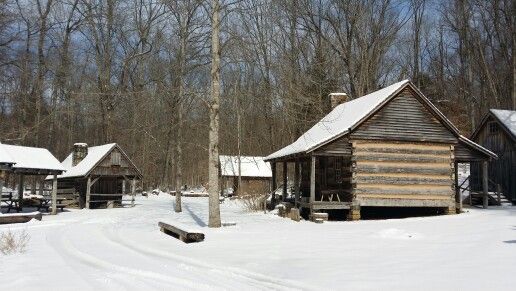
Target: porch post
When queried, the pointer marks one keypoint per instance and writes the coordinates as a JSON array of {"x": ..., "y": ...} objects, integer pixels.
[
  {"x": 312, "y": 184},
  {"x": 54, "y": 195},
  {"x": 273, "y": 184},
  {"x": 284, "y": 181},
  {"x": 458, "y": 196},
  {"x": 88, "y": 192},
  {"x": 133, "y": 191},
  {"x": 41, "y": 186},
  {"x": 296, "y": 181},
  {"x": 485, "y": 180},
  {"x": 123, "y": 186},
  {"x": 20, "y": 192}
]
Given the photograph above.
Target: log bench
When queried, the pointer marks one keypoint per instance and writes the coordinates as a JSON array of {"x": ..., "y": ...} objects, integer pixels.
[
  {"x": 181, "y": 232},
  {"x": 19, "y": 217}
]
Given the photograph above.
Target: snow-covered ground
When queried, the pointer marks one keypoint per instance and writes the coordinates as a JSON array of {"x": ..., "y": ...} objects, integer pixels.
[{"x": 123, "y": 249}]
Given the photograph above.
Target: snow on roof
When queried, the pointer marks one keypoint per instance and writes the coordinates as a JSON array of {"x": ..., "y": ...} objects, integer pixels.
[
  {"x": 5, "y": 158},
  {"x": 251, "y": 166},
  {"x": 32, "y": 158},
  {"x": 507, "y": 118},
  {"x": 338, "y": 121},
  {"x": 95, "y": 155}
]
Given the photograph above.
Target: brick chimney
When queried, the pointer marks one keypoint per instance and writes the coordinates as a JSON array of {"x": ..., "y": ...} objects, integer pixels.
[
  {"x": 80, "y": 151},
  {"x": 337, "y": 98}
]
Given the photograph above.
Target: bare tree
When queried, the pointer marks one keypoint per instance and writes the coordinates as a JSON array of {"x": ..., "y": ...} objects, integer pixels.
[{"x": 213, "y": 148}]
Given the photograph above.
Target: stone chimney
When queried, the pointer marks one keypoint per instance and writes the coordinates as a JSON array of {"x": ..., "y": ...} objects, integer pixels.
[
  {"x": 337, "y": 98},
  {"x": 80, "y": 151}
]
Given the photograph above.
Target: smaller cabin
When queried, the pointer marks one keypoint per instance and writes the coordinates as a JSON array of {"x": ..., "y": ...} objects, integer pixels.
[
  {"x": 497, "y": 132},
  {"x": 100, "y": 175},
  {"x": 256, "y": 174}
]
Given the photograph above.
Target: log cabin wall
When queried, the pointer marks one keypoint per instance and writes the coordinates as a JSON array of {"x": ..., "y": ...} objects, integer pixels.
[
  {"x": 403, "y": 156},
  {"x": 390, "y": 173}
]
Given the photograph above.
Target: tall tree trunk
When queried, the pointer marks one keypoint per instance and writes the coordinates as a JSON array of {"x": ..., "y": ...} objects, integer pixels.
[
  {"x": 40, "y": 76},
  {"x": 213, "y": 148},
  {"x": 179, "y": 139}
]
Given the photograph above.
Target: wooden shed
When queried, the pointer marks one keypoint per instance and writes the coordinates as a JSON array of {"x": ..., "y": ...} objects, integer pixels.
[
  {"x": 256, "y": 174},
  {"x": 390, "y": 148},
  {"x": 497, "y": 132},
  {"x": 100, "y": 175}
]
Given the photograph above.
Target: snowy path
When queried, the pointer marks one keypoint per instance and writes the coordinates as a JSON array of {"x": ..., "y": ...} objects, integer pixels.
[{"x": 122, "y": 249}]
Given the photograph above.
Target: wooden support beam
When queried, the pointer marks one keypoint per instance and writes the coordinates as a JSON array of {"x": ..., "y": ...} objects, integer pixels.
[
  {"x": 296, "y": 182},
  {"x": 94, "y": 181},
  {"x": 284, "y": 181},
  {"x": 485, "y": 185},
  {"x": 133, "y": 191},
  {"x": 123, "y": 187},
  {"x": 458, "y": 195},
  {"x": 88, "y": 192},
  {"x": 20, "y": 192},
  {"x": 54, "y": 195},
  {"x": 41, "y": 186},
  {"x": 273, "y": 184},
  {"x": 312, "y": 183},
  {"x": 33, "y": 185}
]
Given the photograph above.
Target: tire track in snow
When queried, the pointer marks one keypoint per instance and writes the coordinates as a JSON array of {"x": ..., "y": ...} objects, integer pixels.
[
  {"x": 115, "y": 269},
  {"x": 255, "y": 279}
]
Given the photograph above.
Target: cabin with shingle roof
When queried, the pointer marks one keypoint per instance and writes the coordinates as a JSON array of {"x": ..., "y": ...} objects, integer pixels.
[
  {"x": 99, "y": 175},
  {"x": 390, "y": 148},
  {"x": 254, "y": 172}
]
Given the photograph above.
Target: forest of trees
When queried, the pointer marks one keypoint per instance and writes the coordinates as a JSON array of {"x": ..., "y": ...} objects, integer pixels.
[{"x": 139, "y": 72}]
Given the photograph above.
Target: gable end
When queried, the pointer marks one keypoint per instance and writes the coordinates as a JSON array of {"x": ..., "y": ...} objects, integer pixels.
[{"x": 404, "y": 118}]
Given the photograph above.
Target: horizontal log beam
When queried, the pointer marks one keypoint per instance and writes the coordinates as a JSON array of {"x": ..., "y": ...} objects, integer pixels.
[
  {"x": 403, "y": 151},
  {"x": 404, "y": 202},
  {"x": 379, "y": 169},
  {"x": 422, "y": 192},
  {"x": 402, "y": 180},
  {"x": 397, "y": 144},
  {"x": 401, "y": 158}
]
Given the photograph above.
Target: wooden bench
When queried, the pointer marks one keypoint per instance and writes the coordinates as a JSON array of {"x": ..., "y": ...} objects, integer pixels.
[
  {"x": 65, "y": 198},
  {"x": 7, "y": 199},
  {"x": 19, "y": 217},
  {"x": 181, "y": 233}
]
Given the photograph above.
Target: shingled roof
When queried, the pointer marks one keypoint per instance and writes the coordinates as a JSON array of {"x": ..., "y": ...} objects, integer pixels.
[{"x": 349, "y": 115}]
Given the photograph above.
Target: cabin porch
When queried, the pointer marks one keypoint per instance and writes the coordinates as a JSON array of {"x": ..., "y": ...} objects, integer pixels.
[{"x": 320, "y": 182}]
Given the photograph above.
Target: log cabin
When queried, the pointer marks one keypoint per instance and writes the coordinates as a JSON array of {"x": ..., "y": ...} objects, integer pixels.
[
  {"x": 255, "y": 172},
  {"x": 390, "y": 148},
  {"x": 98, "y": 175},
  {"x": 497, "y": 132}
]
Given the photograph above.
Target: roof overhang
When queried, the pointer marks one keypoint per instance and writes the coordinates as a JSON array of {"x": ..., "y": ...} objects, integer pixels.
[{"x": 489, "y": 154}]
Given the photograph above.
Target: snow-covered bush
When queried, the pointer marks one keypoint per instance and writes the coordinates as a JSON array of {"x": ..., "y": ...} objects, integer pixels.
[
  {"x": 253, "y": 202},
  {"x": 11, "y": 242}
]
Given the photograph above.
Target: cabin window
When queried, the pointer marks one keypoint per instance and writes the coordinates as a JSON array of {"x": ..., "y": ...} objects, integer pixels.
[
  {"x": 493, "y": 127},
  {"x": 115, "y": 159}
]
